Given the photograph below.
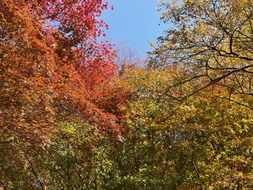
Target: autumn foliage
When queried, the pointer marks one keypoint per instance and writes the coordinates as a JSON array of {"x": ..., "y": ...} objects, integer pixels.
[
  {"x": 72, "y": 119},
  {"x": 52, "y": 63}
]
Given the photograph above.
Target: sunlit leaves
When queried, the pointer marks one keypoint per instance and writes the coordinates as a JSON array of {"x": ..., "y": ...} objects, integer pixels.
[
  {"x": 211, "y": 38},
  {"x": 52, "y": 63}
]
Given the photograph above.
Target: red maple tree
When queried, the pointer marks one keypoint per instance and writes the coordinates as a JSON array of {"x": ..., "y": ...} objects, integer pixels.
[{"x": 53, "y": 65}]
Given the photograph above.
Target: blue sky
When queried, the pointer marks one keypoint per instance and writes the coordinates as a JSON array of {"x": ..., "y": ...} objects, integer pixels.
[{"x": 134, "y": 22}]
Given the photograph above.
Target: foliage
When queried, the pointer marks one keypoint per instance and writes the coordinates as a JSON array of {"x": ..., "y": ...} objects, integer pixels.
[
  {"x": 74, "y": 160},
  {"x": 203, "y": 143},
  {"x": 68, "y": 121},
  {"x": 51, "y": 64},
  {"x": 27, "y": 70},
  {"x": 213, "y": 39}
]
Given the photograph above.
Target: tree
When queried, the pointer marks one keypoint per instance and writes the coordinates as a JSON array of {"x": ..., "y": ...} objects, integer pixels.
[
  {"x": 201, "y": 143},
  {"x": 213, "y": 39},
  {"x": 51, "y": 64},
  {"x": 127, "y": 58},
  {"x": 27, "y": 72},
  {"x": 52, "y": 70}
]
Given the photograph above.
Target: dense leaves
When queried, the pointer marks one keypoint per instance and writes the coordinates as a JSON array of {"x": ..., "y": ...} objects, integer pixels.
[
  {"x": 205, "y": 144},
  {"x": 52, "y": 63},
  {"x": 68, "y": 121},
  {"x": 27, "y": 71}
]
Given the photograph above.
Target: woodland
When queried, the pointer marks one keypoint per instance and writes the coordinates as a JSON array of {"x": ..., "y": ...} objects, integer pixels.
[{"x": 75, "y": 114}]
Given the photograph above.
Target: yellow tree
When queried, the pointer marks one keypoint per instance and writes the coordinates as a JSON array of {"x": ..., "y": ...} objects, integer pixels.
[
  {"x": 214, "y": 40},
  {"x": 201, "y": 143}
]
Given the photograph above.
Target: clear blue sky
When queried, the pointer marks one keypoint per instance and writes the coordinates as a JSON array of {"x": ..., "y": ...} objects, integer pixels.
[{"x": 134, "y": 22}]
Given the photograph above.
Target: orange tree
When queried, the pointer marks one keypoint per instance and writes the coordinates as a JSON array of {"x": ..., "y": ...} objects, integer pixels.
[
  {"x": 52, "y": 68},
  {"x": 52, "y": 64}
]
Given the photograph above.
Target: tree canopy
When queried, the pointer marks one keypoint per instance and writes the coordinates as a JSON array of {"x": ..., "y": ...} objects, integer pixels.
[
  {"x": 78, "y": 114},
  {"x": 214, "y": 39}
]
